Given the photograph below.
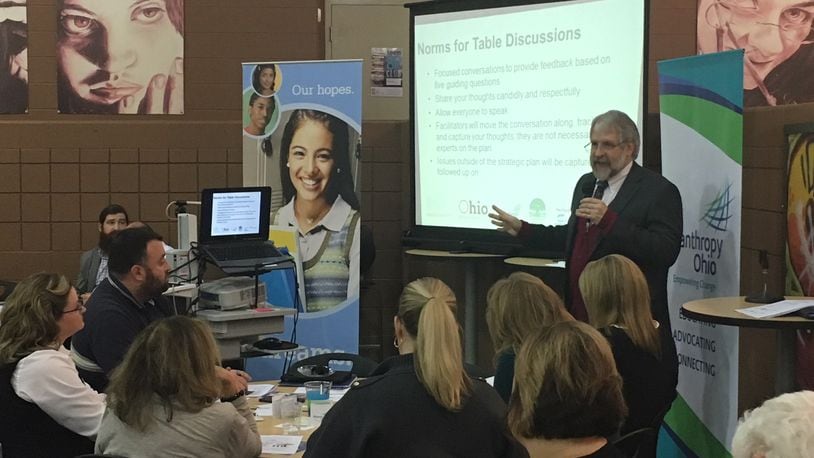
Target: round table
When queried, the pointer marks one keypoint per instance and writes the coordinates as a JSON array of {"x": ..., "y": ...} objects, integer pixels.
[
  {"x": 723, "y": 310},
  {"x": 534, "y": 262},
  {"x": 470, "y": 295}
]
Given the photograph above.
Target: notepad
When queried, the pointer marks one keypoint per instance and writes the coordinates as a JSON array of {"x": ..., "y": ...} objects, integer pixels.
[
  {"x": 281, "y": 445},
  {"x": 259, "y": 390},
  {"x": 776, "y": 309}
]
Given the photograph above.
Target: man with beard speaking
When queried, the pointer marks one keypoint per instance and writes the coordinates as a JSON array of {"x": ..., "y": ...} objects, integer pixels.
[
  {"x": 93, "y": 263},
  {"x": 123, "y": 304},
  {"x": 619, "y": 208}
]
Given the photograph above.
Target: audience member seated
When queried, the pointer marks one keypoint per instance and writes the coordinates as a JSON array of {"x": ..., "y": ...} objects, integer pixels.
[
  {"x": 163, "y": 399},
  {"x": 618, "y": 302},
  {"x": 123, "y": 304},
  {"x": 45, "y": 409},
  {"x": 515, "y": 307},
  {"x": 93, "y": 263},
  {"x": 783, "y": 427},
  {"x": 567, "y": 398},
  {"x": 420, "y": 403}
]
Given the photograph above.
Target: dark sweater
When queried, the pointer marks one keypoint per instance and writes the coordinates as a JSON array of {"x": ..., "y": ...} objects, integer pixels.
[
  {"x": 392, "y": 414},
  {"x": 649, "y": 384},
  {"x": 26, "y": 431},
  {"x": 113, "y": 320},
  {"x": 504, "y": 374}
]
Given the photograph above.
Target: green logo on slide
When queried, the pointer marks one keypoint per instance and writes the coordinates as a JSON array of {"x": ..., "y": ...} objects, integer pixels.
[{"x": 537, "y": 208}]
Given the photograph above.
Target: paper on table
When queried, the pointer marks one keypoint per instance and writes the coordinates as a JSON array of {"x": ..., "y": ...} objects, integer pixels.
[
  {"x": 257, "y": 390},
  {"x": 281, "y": 445},
  {"x": 776, "y": 309},
  {"x": 264, "y": 411}
]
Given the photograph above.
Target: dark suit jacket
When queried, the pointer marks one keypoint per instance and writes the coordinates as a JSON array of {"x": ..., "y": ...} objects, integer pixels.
[
  {"x": 88, "y": 269},
  {"x": 648, "y": 230}
]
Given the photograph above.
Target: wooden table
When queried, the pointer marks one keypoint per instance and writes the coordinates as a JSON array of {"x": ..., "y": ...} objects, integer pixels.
[
  {"x": 534, "y": 262},
  {"x": 722, "y": 310},
  {"x": 470, "y": 295}
]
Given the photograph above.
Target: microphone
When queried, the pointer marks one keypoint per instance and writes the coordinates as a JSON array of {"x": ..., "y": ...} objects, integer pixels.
[
  {"x": 764, "y": 297},
  {"x": 599, "y": 187},
  {"x": 587, "y": 189}
]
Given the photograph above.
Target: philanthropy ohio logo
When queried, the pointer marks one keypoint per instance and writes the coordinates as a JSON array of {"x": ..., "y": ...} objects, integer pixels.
[{"x": 718, "y": 212}]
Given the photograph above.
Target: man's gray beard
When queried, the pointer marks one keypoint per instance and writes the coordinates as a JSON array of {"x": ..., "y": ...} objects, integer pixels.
[{"x": 601, "y": 175}]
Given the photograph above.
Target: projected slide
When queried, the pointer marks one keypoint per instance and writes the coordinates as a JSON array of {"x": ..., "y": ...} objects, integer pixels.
[{"x": 504, "y": 98}]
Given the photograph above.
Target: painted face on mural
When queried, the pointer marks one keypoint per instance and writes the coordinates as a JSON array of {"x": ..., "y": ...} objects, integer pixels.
[
  {"x": 14, "y": 22},
  {"x": 109, "y": 51},
  {"x": 769, "y": 32}
]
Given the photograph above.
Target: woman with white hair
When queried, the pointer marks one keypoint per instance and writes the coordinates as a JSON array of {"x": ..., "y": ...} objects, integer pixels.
[{"x": 783, "y": 427}]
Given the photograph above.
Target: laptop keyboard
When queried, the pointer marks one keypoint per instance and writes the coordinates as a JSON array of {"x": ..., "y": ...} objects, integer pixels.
[{"x": 236, "y": 252}]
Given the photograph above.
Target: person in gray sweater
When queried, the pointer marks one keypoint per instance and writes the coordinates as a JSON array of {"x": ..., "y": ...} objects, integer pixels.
[{"x": 163, "y": 400}]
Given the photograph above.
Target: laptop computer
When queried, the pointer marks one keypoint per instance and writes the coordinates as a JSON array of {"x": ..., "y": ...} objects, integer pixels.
[{"x": 234, "y": 230}]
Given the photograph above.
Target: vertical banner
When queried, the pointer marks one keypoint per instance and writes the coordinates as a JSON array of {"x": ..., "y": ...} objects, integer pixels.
[
  {"x": 701, "y": 102},
  {"x": 120, "y": 57},
  {"x": 13, "y": 57},
  {"x": 800, "y": 238},
  {"x": 302, "y": 126}
]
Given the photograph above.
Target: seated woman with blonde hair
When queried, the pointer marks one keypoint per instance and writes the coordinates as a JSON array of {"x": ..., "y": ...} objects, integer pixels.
[
  {"x": 516, "y": 306},
  {"x": 421, "y": 403},
  {"x": 567, "y": 398},
  {"x": 163, "y": 399},
  {"x": 618, "y": 303},
  {"x": 45, "y": 408}
]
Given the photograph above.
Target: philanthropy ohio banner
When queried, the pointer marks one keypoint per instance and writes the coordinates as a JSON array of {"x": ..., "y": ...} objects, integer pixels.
[
  {"x": 701, "y": 102},
  {"x": 302, "y": 130}
]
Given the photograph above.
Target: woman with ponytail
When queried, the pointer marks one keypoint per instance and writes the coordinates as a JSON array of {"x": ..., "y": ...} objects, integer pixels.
[{"x": 422, "y": 402}]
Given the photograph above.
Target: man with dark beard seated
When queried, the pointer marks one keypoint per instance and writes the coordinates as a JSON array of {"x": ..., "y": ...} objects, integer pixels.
[
  {"x": 93, "y": 263},
  {"x": 123, "y": 304}
]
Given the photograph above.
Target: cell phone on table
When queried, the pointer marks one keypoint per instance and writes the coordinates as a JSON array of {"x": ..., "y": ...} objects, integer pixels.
[{"x": 265, "y": 398}]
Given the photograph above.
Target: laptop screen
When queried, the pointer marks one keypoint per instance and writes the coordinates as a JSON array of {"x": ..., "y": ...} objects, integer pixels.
[{"x": 235, "y": 214}]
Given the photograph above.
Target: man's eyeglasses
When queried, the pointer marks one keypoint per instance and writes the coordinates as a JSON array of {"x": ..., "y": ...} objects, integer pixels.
[
  {"x": 602, "y": 146},
  {"x": 80, "y": 307}
]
